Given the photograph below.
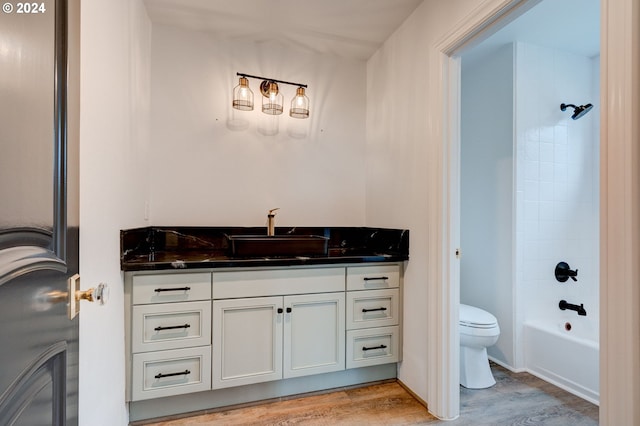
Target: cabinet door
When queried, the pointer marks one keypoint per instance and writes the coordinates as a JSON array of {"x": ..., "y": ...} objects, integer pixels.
[
  {"x": 314, "y": 330},
  {"x": 247, "y": 341}
]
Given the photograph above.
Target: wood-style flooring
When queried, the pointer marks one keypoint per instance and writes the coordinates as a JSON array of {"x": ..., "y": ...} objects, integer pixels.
[{"x": 516, "y": 399}]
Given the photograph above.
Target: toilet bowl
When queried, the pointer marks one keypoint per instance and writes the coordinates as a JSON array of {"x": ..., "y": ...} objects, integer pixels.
[{"x": 478, "y": 330}]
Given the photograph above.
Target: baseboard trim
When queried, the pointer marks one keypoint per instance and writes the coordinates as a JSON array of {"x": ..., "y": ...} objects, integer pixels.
[
  {"x": 413, "y": 394},
  {"x": 507, "y": 366}
]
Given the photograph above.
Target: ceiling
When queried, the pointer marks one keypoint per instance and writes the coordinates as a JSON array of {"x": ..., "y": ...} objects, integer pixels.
[
  {"x": 357, "y": 28},
  {"x": 347, "y": 28},
  {"x": 567, "y": 25}
]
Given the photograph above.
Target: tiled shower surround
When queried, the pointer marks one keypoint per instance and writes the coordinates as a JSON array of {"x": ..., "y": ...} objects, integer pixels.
[
  {"x": 557, "y": 183},
  {"x": 529, "y": 190}
]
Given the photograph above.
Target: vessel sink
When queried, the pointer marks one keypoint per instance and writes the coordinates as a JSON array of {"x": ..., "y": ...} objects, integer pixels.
[{"x": 278, "y": 245}]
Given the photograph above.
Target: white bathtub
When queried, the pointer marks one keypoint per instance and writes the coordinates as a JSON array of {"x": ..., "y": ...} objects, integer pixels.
[{"x": 568, "y": 359}]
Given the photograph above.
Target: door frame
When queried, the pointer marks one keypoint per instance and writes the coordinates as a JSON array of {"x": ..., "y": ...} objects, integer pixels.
[
  {"x": 620, "y": 174},
  {"x": 444, "y": 349}
]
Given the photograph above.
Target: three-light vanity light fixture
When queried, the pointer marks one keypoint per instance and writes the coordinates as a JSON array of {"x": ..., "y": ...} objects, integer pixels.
[{"x": 272, "y": 99}]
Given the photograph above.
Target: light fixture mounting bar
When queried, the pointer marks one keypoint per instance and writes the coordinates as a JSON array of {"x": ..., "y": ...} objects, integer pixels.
[{"x": 271, "y": 79}]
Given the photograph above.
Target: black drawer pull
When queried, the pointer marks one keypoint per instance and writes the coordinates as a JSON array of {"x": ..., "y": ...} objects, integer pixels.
[
  {"x": 173, "y": 327},
  {"x": 364, "y": 348},
  {"x": 181, "y": 373},
  {"x": 288, "y": 310},
  {"x": 159, "y": 290},
  {"x": 373, "y": 310},
  {"x": 280, "y": 310},
  {"x": 375, "y": 278}
]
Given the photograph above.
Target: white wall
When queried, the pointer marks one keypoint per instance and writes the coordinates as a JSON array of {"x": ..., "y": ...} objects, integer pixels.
[
  {"x": 404, "y": 167},
  {"x": 557, "y": 183},
  {"x": 213, "y": 165},
  {"x": 113, "y": 174},
  {"x": 487, "y": 192},
  {"x": 187, "y": 160}
]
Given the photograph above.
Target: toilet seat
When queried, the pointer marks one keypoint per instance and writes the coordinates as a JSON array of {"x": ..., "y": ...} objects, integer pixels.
[
  {"x": 473, "y": 317},
  {"x": 478, "y": 330}
]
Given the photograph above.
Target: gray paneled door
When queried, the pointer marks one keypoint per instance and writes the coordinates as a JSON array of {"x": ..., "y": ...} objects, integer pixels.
[{"x": 38, "y": 212}]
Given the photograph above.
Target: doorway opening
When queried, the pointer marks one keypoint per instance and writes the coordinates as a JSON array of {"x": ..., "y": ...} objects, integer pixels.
[{"x": 528, "y": 184}]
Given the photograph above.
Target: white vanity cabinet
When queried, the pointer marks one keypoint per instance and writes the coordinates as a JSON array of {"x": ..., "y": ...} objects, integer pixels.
[
  {"x": 206, "y": 338},
  {"x": 170, "y": 335},
  {"x": 373, "y": 315},
  {"x": 258, "y": 339}
]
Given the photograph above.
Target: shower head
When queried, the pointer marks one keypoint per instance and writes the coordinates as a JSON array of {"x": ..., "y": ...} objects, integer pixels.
[{"x": 578, "y": 111}]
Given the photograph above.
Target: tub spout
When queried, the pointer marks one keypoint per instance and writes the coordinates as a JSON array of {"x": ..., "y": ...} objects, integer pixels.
[{"x": 563, "y": 305}]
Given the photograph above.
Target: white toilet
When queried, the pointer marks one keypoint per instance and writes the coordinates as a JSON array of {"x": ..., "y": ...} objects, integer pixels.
[{"x": 478, "y": 330}]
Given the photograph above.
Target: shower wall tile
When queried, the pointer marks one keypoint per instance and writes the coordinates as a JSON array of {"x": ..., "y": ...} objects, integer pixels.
[
  {"x": 531, "y": 249},
  {"x": 531, "y": 213},
  {"x": 560, "y": 192},
  {"x": 560, "y": 153},
  {"x": 531, "y": 170},
  {"x": 546, "y": 133},
  {"x": 530, "y": 230},
  {"x": 546, "y": 210},
  {"x": 531, "y": 190},
  {"x": 546, "y": 151},
  {"x": 550, "y": 251},
  {"x": 561, "y": 210},
  {"x": 546, "y": 191},
  {"x": 532, "y": 150},
  {"x": 560, "y": 134},
  {"x": 564, "y": 194},
  {"x": 532, "y": 133},
  {"x": 560, "y": 172},
  {"x": 546, "y": 171}
]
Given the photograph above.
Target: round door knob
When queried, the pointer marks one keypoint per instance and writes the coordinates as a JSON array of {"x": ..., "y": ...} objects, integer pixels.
[
  {"x": 101, "y": 293},
  {"x": 98, "y": 294}
]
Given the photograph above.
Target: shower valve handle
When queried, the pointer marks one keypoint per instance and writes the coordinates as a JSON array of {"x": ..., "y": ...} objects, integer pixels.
[{"x": 563, "y": 272}]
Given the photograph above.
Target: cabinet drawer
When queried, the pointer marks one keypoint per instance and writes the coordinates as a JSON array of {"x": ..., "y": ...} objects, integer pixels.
[
  {"x": 175, "y": 372},
  {"x": 171, "y": 326},
  {"x": 373, "y": 277},
  {"x": 276, "y": 282},
  {"x": 164, "y": 288},
  {"x": 372, "y": 308},
  {"x": 372, "y": 346}
]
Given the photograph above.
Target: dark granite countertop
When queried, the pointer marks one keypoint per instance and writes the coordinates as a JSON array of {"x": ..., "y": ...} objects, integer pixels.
[{"x": 162, "y": 248}]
